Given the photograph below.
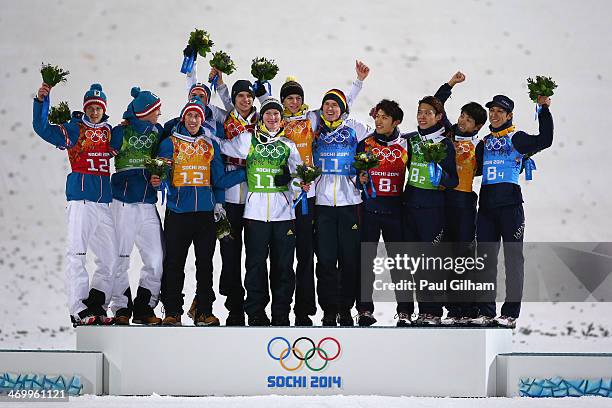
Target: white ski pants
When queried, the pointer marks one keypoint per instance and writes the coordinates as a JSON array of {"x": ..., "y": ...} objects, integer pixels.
[
  {"x": 139, "y": 224},
  {"x": 90, "y": 226}
]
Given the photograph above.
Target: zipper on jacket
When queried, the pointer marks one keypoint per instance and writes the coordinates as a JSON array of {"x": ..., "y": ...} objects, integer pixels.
[
  {"x": 196, "y": 197},
  {"x": 100, "y": 197},
  {"x": 335, "y": 189},
  {"x": 268, "y": 209},
  {"x": 178, "y": 196},
  {"x": 125, "y": 188}
]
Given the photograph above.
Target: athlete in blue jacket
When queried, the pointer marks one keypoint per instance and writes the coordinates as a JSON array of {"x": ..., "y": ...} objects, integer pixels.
[
  {"x": 500, "y": 157},
  {"x": 195, "y": 186},
  {"x": 134, "y": 211},
  {"x": 87, "y": 140}
]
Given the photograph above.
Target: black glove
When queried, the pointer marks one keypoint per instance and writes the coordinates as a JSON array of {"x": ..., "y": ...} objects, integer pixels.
[
  {"x": 260, "y": 89},
  {"x": 283, "y": 179},
  {"x": 189, "y": 51}
]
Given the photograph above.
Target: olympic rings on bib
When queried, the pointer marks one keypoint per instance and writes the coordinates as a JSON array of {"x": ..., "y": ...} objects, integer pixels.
[
  {"x": 190, "y": 149},
  {"x": 304, "y": 358},
  {"x": 496, "y": 144},
  {"x": 463, "y": 147},
  {"x": 339, "y": 136},
  {"x": 387, "y": 153},
  {"x": 96, "y": 136},
  {"x": 267, "y": 150},
  {"x": 140, "y": 142},
  {"x": 296, "y": 126}
]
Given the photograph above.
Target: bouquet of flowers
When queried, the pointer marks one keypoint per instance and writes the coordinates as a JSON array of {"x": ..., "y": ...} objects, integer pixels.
[
  {"x": 308, "y": 174},
  {"x": 542, "y": 86},
  {"x": 53, "y": 75},
  {"x": 434, "y": 154},
  {"x": 59, "y": 114},
  {"x": 222, "y": 62},
  {"x": 223, "y": 228},
  {"x": 264, "y": 70},
  {"x": 158, "y": 166},
  {"x": 364, "y": 162},
  {"x": 199, "y": 43}
]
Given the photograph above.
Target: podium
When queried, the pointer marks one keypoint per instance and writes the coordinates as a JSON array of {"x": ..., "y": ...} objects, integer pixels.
[{"x": 229, "y": 361}]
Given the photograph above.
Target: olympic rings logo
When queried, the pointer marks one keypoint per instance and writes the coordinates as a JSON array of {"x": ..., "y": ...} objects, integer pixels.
[
  {"x": 266, "y": 150},
  {"x": 139, "y": 142},
  {"x": 302, "y": 357},
  {"x": 463, "y": 147},
  {"x": 296, "y": 126},
  {"x": 387, "y": 153},
  {"x": 190, "y": 149},
  {"x": 339, "y": 136},
  {"x": 235, "y": 129},
  {"x": 96, "y": 135},
  {"x": 496, "y": 144}
]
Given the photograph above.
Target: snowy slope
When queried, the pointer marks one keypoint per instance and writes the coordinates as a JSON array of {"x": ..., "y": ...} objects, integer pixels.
[{"x": 411, "y": 49}]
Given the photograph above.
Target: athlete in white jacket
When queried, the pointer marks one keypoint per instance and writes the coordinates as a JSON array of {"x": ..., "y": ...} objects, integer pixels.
[{"x": 268, "y": 213}]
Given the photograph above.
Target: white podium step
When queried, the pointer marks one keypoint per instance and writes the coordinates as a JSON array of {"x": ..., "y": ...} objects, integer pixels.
[{"x": 458, "y": 362}]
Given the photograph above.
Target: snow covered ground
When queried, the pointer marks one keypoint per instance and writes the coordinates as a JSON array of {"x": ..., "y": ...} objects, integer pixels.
[{"x": 411, "y": 48}]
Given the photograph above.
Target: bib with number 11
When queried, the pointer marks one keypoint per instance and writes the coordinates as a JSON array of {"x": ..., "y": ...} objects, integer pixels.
[
  {"x": 264, "y": 161},
  {"x": 334, "y": 151},
  {"x": 191, "y": 166},
  {"x": 501, "y": 161}
]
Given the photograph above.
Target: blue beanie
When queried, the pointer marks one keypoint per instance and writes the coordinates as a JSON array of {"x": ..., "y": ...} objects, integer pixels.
[
  {"x": 95, "y": 96},
  {"x": 195, "y": 104},
  {"x": 202, "y": 88},
  {"x": 144, "y": 102}
]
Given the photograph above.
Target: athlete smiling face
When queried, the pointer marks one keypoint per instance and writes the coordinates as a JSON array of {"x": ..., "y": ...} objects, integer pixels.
[{"x": 272, "y": 120}]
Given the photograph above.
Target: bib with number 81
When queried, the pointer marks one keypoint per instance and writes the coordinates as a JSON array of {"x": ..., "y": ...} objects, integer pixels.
[
  {"x": 388, "y": 177},
  {"x": 191, "y": 166}
]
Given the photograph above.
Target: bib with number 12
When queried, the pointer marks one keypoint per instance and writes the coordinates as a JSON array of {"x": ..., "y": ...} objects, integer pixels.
[
  {"x": 91, "y": 153},
  {"x": 192, "y": 159}
]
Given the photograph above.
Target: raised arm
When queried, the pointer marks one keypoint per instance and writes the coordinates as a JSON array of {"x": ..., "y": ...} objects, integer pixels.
[
  {"x": 63, "y": 136},
  {"x": 525, "y": 143},
  {"x": 362, "y": 71}
]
